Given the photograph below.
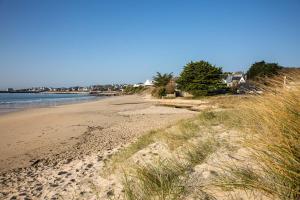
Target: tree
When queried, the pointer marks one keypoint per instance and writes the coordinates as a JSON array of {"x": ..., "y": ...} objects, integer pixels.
[
  {"x": 159, "y": 92},
  {"x": 161, "y": 80},
  {"x": 201, "y": 78},
  {"x": 262, "y": 69}
]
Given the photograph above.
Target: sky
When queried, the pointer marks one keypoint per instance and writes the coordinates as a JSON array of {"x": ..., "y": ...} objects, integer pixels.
[{"x": 76, "y": 42}]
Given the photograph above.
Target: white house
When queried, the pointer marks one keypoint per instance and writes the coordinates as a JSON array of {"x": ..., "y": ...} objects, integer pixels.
[
  {"x": 148, "y": 83},
  {"x": 233, "y": 79}
]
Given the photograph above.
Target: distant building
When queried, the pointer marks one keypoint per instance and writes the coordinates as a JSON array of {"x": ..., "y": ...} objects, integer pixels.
[
  {"x": 148, "y": 83},
  {"x": 138, "y": 85},
  {"x": 235, "y": 79},
  {"x": 83, "y": 89},
  {"x": 10, "y": 89}
]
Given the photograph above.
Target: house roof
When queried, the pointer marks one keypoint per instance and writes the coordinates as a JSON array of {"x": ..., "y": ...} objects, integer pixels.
[{"x": 234, "y": 77}]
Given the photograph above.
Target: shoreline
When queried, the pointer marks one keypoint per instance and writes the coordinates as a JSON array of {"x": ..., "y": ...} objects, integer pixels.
[
  {"x": 29, "y": 106},
  {"x": 32, "y": 92}
]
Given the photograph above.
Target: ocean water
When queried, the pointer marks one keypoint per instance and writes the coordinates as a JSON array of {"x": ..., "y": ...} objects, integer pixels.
[{"x": 10, "y": 102}]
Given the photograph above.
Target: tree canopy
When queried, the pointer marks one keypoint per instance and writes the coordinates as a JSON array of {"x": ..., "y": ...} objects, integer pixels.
[
  {"x": 200, "y": 78},
  {"x": 262, "y": 69},
  {"x": 161, "y": 80}
]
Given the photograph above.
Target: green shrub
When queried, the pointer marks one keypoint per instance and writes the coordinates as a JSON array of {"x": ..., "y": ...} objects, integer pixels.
[
  {"x": 262, "y": 69},
  {"x": 201, "y": 79},
  {"x": 159, "y": 92}
]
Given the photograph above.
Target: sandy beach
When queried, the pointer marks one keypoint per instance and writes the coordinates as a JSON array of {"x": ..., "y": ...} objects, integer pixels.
[{"x": 37, "y": 143}]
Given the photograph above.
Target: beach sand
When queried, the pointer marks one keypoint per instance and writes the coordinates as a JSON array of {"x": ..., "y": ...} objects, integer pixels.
[{"x": 37, "y": 144}]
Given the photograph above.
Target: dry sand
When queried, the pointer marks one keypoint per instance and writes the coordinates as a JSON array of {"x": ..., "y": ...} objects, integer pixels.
[{"x": 46, "y": 150}]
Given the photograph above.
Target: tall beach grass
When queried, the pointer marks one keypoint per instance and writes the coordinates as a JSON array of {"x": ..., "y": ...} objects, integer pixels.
[{"x": 271, "y": 125}]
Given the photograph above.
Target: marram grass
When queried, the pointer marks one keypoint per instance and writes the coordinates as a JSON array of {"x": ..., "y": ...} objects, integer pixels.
[
  {"x": 166, "y": 178},
  {"x": 271, "y": 126}
]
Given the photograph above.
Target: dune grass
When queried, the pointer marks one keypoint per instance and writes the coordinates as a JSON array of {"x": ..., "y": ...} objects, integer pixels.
[
  {"x": 174, "y": 136},
  {"x": 166, "y": 178},
  {"x": 197, "y": 153},
  {"x": 121, "y": 156},
  {"x": 160, "y": 180},
  {"x": 271, "y": 126}
]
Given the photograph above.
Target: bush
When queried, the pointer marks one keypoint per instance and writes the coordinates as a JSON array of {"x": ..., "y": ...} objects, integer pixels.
[
  {"x": 159, "y": 92},
  {"x": 262, "y": 69},
  {"x": 201, "y": 78}
]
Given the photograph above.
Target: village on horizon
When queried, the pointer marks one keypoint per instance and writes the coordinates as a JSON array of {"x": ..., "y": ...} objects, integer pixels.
[{"x": 230, "y": 79}]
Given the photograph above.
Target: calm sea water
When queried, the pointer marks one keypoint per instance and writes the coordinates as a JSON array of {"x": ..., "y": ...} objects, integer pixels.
[{"x": 10, "y": 102}]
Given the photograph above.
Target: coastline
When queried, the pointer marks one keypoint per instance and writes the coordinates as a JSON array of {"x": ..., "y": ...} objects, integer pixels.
[
  {"x": 30, "y": 130},
  {"x": 8, "y": 107},
  {"x": 45, "y": 141}
]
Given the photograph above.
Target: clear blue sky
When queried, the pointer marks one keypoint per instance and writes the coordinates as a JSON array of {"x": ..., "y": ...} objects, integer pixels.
[{"x": 67, "y": 43}]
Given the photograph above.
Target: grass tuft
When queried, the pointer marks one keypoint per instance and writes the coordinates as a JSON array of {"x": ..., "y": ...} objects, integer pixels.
[
  {"x": 197, "y": 153},
  {"x": 161, "y": 180},
  {"x": 166, "y": 179}
]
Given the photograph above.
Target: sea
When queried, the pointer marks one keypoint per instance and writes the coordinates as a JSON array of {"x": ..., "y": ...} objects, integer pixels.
[{"x": 11, "y": 102}]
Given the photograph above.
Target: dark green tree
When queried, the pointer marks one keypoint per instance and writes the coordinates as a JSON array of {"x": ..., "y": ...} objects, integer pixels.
[
  {"x": 201, "y": 78},
  {"x": 161, "y": 80},
  {"x": 262, "y": 69}
]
